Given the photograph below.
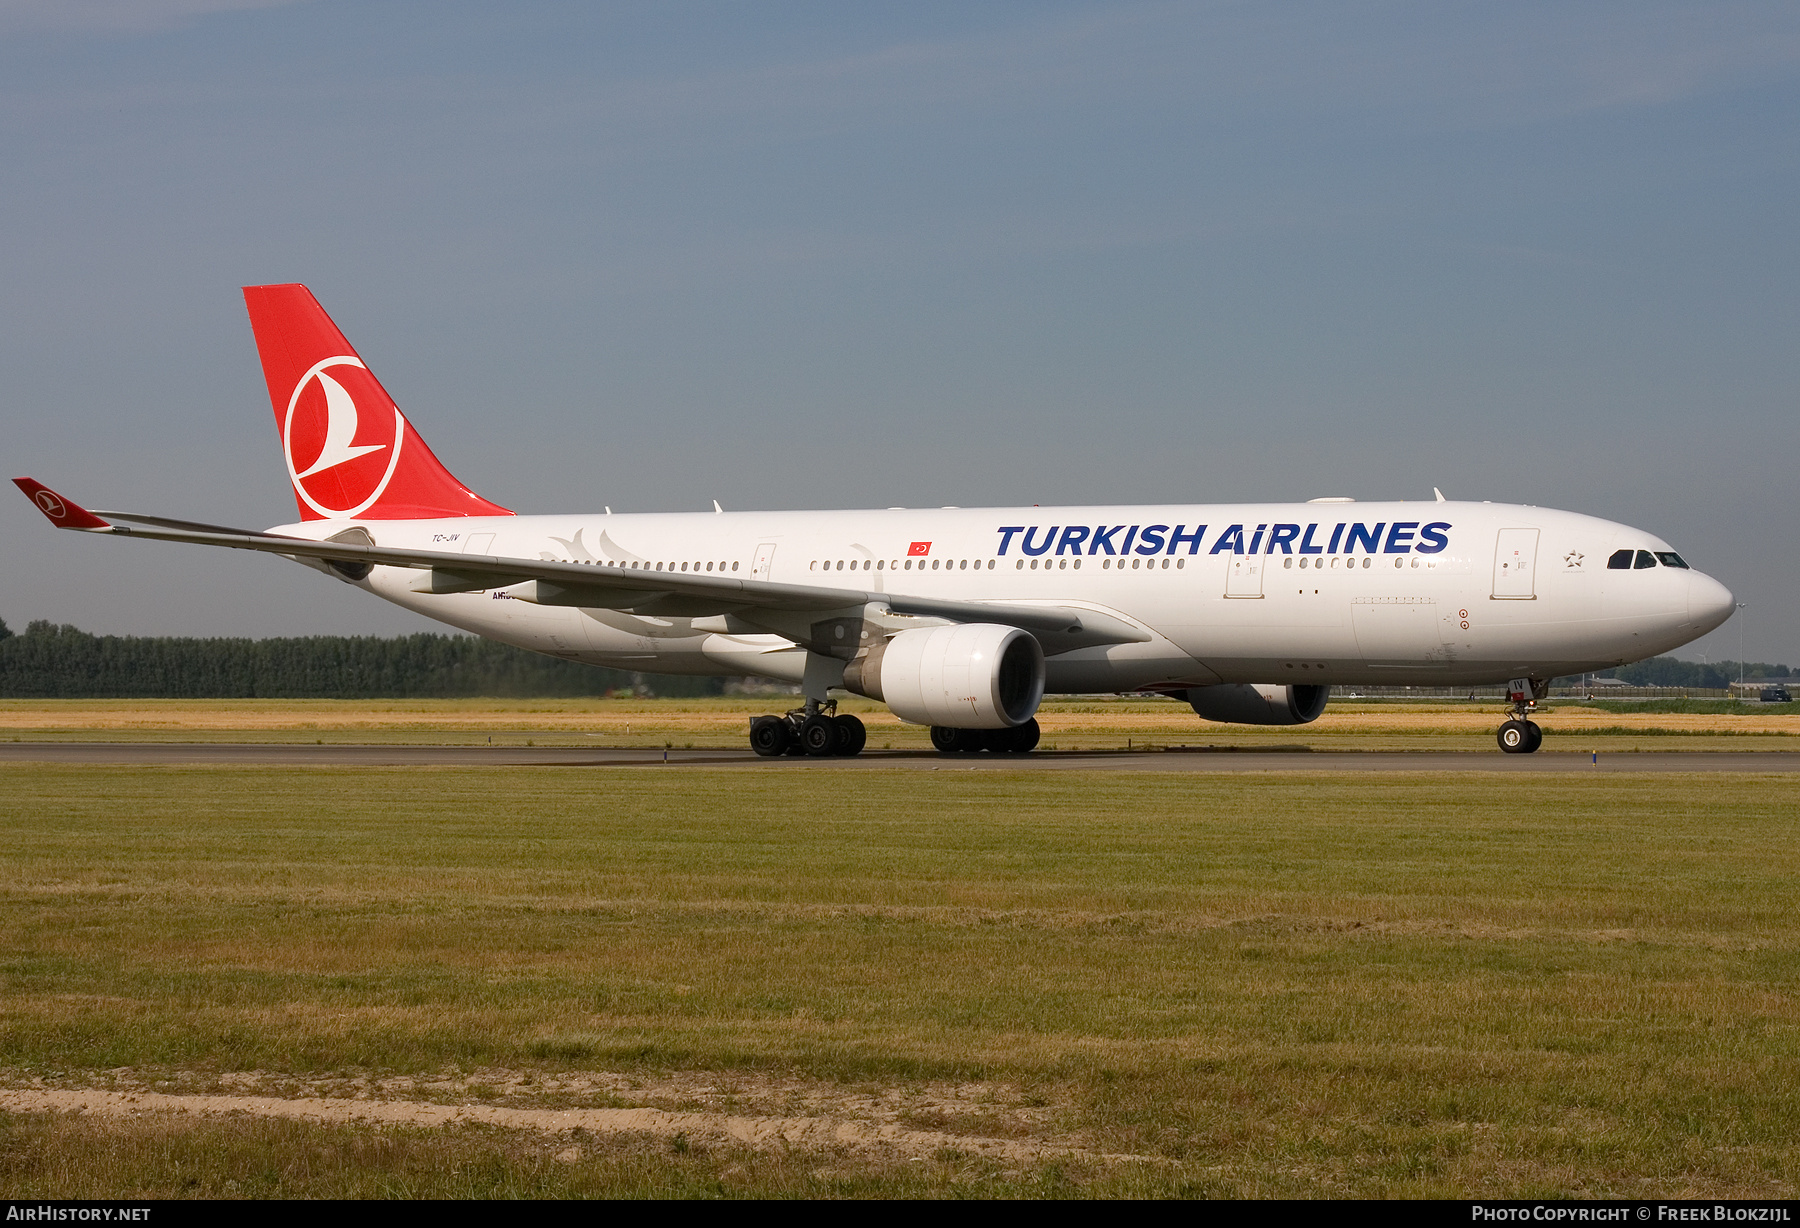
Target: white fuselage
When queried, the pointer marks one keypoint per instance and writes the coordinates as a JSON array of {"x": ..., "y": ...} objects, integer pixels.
[{"x": 1330, "y": 593}]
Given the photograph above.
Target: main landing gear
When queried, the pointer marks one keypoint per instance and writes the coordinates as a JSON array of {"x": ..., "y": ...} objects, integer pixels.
[
  {"x": 1018, "y": 740},
  {"x": 1520, "y": 735},
  {"x": 815, "y": 730}
]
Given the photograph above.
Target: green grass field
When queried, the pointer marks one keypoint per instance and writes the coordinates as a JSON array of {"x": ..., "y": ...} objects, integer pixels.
[{"x": 1385, "y": 985}]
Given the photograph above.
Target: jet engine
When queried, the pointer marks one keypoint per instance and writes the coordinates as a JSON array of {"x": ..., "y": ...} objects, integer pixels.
[
  {"x": 970, "y": 676},
  {"x": 1259, "y": 704}
]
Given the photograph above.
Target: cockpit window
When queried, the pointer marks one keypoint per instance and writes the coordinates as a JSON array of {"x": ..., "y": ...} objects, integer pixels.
[
  {"x": 1671, "y": 559},
  {"x": 1645, "y": 559},
  {"x": 1620, "y": 561}
]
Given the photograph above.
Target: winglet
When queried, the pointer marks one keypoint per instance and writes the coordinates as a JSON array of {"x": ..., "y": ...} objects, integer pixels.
[{"x": 63, "y": 513}]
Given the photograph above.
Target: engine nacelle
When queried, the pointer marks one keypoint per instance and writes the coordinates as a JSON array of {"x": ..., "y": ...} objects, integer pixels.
[
  {"x": 1259, "y": 704},
  {"x": 971, "y": 676}
]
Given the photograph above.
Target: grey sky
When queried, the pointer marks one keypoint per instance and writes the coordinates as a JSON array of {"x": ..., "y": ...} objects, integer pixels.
[{"x": 824, "y": 255}]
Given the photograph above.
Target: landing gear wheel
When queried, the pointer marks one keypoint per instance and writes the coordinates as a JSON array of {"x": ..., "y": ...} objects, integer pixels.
[
  {"x": 769, "y": 736},
  {"x": 1021, "y": 739},
  {"x": 819, "y": 735},
  {"x": 851, "y": 735},
  {"x": 953, "y": 741},
  {"x": 1520, "y": 737}
]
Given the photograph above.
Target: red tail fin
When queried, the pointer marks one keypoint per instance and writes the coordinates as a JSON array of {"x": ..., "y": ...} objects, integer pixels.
[{"x": 350, "y": 452}]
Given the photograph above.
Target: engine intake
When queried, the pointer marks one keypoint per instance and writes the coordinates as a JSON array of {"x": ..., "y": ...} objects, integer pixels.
[
  {"x": 1248, "y": 703},
  {"x": 971, "y": 676}
]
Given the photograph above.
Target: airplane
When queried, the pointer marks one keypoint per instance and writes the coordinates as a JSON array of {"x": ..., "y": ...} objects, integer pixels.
[{"x": 961, "y": 619}]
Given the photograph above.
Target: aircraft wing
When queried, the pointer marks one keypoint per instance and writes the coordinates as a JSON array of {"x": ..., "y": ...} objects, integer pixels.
[{"x": 598, "y": 585}]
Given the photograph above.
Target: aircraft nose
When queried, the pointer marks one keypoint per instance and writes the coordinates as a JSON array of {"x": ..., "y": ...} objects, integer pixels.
[{"x": 1709, "y": 602}]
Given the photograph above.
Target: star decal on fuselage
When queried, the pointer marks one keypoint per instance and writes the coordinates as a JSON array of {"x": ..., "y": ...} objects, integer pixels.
[{"x": 1573, "y": 559}]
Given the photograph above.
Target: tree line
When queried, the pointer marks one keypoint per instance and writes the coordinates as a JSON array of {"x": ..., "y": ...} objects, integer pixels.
[
  {"x": 49, "y": 661},
  {"x": 1668, "y": 671},
  {"x": 64, "y": 662}
]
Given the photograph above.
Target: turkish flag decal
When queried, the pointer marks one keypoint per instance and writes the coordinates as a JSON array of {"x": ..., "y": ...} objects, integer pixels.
[{"x": 918, "y": 549}]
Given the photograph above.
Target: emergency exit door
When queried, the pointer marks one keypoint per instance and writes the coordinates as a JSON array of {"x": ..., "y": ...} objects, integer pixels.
[
  {"x": 1515, "y": 565},
  {"x": 1245, "y": 577}
]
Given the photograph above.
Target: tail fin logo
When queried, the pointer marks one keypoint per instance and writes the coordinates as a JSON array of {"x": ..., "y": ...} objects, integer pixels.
[{"x": 335, "y": 433}]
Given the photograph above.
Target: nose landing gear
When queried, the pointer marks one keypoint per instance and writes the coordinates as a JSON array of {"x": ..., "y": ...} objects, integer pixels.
[
  {"x": 817, "y": 730},
  {"x": 1521, "y": 735}
]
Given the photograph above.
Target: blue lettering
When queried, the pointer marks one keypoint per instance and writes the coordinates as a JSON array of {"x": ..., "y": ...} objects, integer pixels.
[
  {"x": 1231, "y": 539},
  {"x": 1073, "y": 536},
  {"x": 1153, "y": 538},
  {"x": 1006, "y": 535},
  {"x": 1306, "y": 543},
  {"x": 1048, "y": 538},
  {"x": 1432, "y": 539},
  {"x": 1400, "y": 537},
  {"x": 1129, "y": 538},
  {"x": 1281, "y": 535},
  {"x": 1256, "y": 538},
  {"x": 1335, "y": 534},
  {"x": 1371, "y": 541},
  {"x": 1103, "y": 537},
  {"x": 1193, "y": 539}
]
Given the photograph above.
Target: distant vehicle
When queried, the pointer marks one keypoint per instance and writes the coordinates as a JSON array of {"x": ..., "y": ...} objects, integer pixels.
[
  {"x": 960, "y": 619},
  {"x": 1776, "y": 695}
]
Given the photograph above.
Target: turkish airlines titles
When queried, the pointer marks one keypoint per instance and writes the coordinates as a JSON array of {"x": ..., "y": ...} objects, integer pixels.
[{"x": 1399, "y": 537}]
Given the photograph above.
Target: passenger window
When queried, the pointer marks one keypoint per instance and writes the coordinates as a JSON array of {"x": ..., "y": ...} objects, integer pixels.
[
  {"x": 1644, "y": 559},
  {"x": 881, "y": 566},
  {"x": 1671, "y": 559},
  {"x": 1620, "y": 561}
]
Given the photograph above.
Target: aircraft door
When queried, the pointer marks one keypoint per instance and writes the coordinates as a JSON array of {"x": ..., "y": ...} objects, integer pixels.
[
  {"x": 765, "y": 558},
  {"x": 1515, "y": 565},
  {"x": 478, "y": 543},
  {"x": 1244, "y": 577}
]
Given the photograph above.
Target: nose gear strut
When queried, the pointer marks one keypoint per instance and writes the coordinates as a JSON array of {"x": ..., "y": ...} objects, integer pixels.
[{"x": 1520, "y": 735}]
